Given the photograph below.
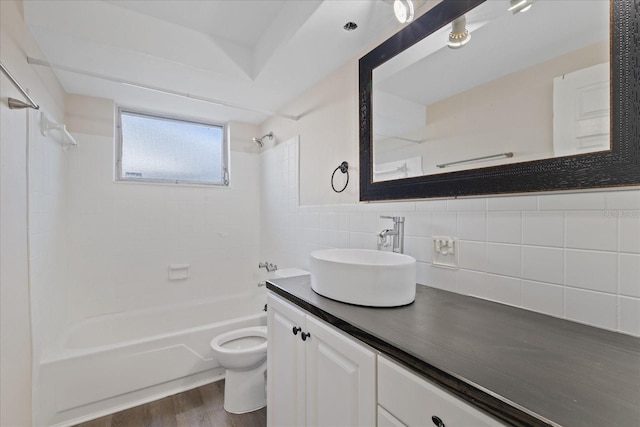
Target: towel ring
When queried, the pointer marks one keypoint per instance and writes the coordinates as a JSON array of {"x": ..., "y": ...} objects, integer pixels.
[{"x": 344, "y": 168}]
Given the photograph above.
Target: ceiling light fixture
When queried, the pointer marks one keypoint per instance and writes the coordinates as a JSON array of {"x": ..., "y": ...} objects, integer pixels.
[
  {"x": 520, "y": 5},
  {"x": 403, "y": 10},
  {"x": 459, "y": 35}
]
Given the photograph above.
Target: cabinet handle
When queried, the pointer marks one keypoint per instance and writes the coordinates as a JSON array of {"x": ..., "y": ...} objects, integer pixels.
[
  {"x": 305, "y": 335},
  {"x": 296, "y": 329},
  {"x": 437, "y": 421}
]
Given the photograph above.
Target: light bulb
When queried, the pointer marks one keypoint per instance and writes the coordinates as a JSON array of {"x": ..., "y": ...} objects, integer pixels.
[{"x": 459, "y": 35}]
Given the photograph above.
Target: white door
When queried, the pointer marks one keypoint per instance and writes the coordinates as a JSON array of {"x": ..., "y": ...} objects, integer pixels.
[
  {"x": 285, "y": 365},
  {"x": 340, "y": 379},
  {"x": 581, "y": 110}
]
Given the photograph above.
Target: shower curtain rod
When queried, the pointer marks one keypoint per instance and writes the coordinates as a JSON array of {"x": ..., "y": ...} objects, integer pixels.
[
  {"x": 35, "y": 61},
  {"x": 16, "y": 103}
]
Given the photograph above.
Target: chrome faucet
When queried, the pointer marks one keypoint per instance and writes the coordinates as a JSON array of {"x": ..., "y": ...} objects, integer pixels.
[
  {"x": 397, "y": 233},
  {"x": 267, "y": 265}
]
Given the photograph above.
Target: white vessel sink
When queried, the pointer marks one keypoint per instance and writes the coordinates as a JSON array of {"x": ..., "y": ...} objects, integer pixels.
[{"x": 364, "y": 277}]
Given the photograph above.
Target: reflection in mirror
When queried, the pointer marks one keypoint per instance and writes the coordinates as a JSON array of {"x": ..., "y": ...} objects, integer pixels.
[{"x": 525, "y": 86}]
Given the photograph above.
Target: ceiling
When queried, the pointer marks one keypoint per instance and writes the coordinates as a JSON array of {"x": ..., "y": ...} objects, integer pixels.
[{"x": 255, "y": 54}]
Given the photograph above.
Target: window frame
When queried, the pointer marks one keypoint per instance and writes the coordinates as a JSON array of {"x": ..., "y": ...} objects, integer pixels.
[{"x": 225, "y": 157}]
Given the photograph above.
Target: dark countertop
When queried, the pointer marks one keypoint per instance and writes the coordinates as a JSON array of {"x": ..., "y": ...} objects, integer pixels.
[{"x": 523, "y": 367}]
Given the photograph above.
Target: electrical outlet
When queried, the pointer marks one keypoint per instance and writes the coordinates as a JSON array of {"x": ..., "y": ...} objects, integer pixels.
[{"x": 445, "y": 252}]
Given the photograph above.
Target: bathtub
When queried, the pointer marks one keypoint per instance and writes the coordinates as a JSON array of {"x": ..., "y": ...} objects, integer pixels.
[{"x": 108, "y": 363}]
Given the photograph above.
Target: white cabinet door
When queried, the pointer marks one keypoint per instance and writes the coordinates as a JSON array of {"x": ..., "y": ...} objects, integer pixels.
[
  {"x": 340, "y": 379},
  {"x": 327, "y": 379},
  {"x": 285, "y": 365}
]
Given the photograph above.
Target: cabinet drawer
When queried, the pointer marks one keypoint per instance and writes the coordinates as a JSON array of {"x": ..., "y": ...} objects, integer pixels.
[
  {"x": 413, "y": 401},
  {"x": 385, "y": 419}
]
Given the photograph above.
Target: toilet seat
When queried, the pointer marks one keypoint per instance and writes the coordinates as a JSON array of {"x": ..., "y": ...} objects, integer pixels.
[
  {"x": 248, "y": 351},
  {"x": 257, "y": 333}
]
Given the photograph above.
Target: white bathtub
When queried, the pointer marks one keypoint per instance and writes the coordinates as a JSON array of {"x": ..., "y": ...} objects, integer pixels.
[{"x": 108, "y": 363}]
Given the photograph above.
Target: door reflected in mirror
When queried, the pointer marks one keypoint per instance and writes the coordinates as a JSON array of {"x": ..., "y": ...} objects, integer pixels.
[{"x": 524, "y": 86}]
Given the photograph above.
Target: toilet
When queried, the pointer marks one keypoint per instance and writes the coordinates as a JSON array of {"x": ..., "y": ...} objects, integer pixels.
[{"x": 243, "y": 353}]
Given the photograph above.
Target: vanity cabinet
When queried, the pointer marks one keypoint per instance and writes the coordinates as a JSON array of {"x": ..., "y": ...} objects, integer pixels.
[
  {"x": 406, "y": 399},
  {"x": 316, "y": 375}
]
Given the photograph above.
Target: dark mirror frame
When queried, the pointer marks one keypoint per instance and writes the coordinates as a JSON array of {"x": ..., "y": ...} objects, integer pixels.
[{"x": 615, "y": 168}]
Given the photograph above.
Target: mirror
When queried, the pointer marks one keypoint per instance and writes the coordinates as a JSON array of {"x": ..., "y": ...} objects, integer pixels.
[
  {"x": 525, "y": 105},
  {"x": 525, "y": 86}
]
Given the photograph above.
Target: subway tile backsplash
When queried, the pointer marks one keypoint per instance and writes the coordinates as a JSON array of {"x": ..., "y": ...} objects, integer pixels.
[
  {"x": 568, "y": 255},
  {"x": 593, "y": 308},
  {"x": 543, "y": 264},
  {"x": 629, "y": 275},
  {"x": 593, "y": 270},
  {"x": 629, "y": 315},
  {"x": 543, "y": 228},
  {"x": 591, "y": 230}
]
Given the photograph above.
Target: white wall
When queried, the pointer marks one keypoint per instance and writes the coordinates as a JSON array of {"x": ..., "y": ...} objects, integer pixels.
[
  {"x": 124, "y": 236},
  {"x": 574, "y": 256},
  {"x": 48, "y": 231},
  {"x": 31, "y": 257},
  {"x": 328, "y": 130},
  {"x": 279, "y": 204},
  {"x": 15, "y": 332}
]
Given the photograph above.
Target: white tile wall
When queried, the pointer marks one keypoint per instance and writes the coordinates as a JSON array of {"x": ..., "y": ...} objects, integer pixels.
[
  {"x": 514, "y": 203},
  {"x": 125, "y": 235},
  {"x": 471, "y": 226},
  {"x": 591, "y": 230},
  {"x": 504, "y": 259},
  {"x": 619, "y": 200},
  {"x": 543, "y": 228},
  {"x": 543, "y": 264},
  {"x": 472, "y": 255},
  {"x": 444, "y": 224},
  {"x": 572, "y": 202},
  {"x": 593, "y": 308},
  {"x": 629, "y": 275},
  {"x": 569, "y": 255},
  {"x": 504, "y": 227},
  {"x": 591, "y": 270},
  {"x": 629, "y": 315},
  {"x": 629, "y": 236},
  {"x": 283, "y": 225},
  {"x": 542, "y": 297},
  {"x": 507, "y": 290}
]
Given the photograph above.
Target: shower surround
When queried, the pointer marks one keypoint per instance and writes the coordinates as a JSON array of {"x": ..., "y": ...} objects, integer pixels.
[{"x": 100, "y": 252}]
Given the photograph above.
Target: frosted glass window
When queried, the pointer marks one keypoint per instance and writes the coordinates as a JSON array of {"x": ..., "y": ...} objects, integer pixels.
[{"x": 161, "y": 149}]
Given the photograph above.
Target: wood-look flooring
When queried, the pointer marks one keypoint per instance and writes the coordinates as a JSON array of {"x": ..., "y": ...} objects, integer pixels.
[{"x": 198, "y": 407}]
